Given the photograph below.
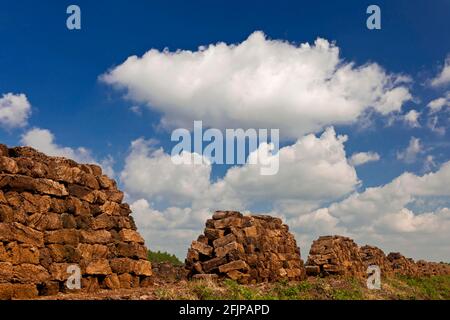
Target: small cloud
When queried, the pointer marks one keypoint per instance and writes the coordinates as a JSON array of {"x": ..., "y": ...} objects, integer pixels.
[
  {"x": 412, "y": 119},
  {"x": 360, "y": 158},
  {"x": 429, "y": 164},
  {"x": 137, "y": 110},
  {"x": 14, "y": 110},
  {"x": 443, "y": 78},
  {"x": 409, "y": 155},
  {"x": 402, "y": 79},
  {"x": 438, "y": 104},
  {"x": 432, "y": 124}
]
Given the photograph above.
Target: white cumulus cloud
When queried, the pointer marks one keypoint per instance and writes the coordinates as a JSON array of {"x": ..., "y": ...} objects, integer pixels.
[
  {"x": 409, "y": 155},
  {"x": 259, "y": 83},
  {"x": 150, "y": 172},
  {"x": 313, "y": 170},
  {"x": 381, "y": 215},
  {"x": 443, "y": 77},
  {"x": 15, "y": 109},
  {"x": 439, "y": 103},
  {"x": 412, "y": 118},
  {"x": 360, "y": 158}
]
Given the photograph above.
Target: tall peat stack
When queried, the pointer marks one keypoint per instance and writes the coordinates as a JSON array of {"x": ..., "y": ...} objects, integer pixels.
[
  {"x": 56, "y": 213},
  {"x": 247, "y": 249}
]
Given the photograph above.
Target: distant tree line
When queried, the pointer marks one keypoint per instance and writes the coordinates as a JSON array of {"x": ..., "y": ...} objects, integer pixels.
[{"x": 158, "y": 256}]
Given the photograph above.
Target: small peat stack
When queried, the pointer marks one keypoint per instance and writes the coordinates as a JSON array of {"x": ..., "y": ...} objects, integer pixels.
[
  {"x": 371, "y": 255},
  {"x": 334, "y": 255},
  {"x": 248, "y": 249},
  {"x": 338, "y": 255},
  {"x": 403, "y": 265},
  {"x": 432, "y": 268},
  {"x": 57, "y": 215}
]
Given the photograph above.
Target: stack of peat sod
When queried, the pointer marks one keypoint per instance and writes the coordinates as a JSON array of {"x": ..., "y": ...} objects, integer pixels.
[
  {"x": 371, "y": 255},
  {"x": 56, "y": 213},
  {"x": 338, "y": 255},
  {"x": 403, "y": 265},
  {"x": 334, "y": 255},
  {"x": 248, "y": 249},
  {"x": 432, "y": 268}
]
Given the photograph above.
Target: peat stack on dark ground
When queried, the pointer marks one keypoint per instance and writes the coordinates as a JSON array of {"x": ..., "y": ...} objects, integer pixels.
[{"x": 56, "y": 213}]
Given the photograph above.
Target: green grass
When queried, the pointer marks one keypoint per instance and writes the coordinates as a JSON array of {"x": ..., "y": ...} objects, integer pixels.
[
  {"x": 434, "y": 288},
  {"x": 351, "y": 291},
  {"x": 334, "y": 288},
  {"x": 205, "y": 293},
  {"x": 159, "y": 256},
  {"x": 347, "y": 294},
  {"x": 283, "y": 290},
  {"x": 235, "y": 291}
]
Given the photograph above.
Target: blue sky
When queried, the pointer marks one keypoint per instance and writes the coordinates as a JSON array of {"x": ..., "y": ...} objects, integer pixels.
[{"x": 58, "y": 70}]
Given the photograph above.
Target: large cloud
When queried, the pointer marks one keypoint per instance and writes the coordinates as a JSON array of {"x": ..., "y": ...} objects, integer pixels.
[
  {"x": 44, "y": 141},
  {"x": 258, "y": 83},
  {"x": 14, "y": 110}
]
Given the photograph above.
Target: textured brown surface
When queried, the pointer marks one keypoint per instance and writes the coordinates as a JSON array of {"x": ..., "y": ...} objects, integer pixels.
[
  {"x": 371, "y": 255},
  {"x": 334, "y": 255},
  {"x": 402, "y": 265},
  {"x": 432, "y": 268},
  {"x": 247, "y": 249},
  {"x": 338, "y": 255},
  {"x": 55, "y": 212}
]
